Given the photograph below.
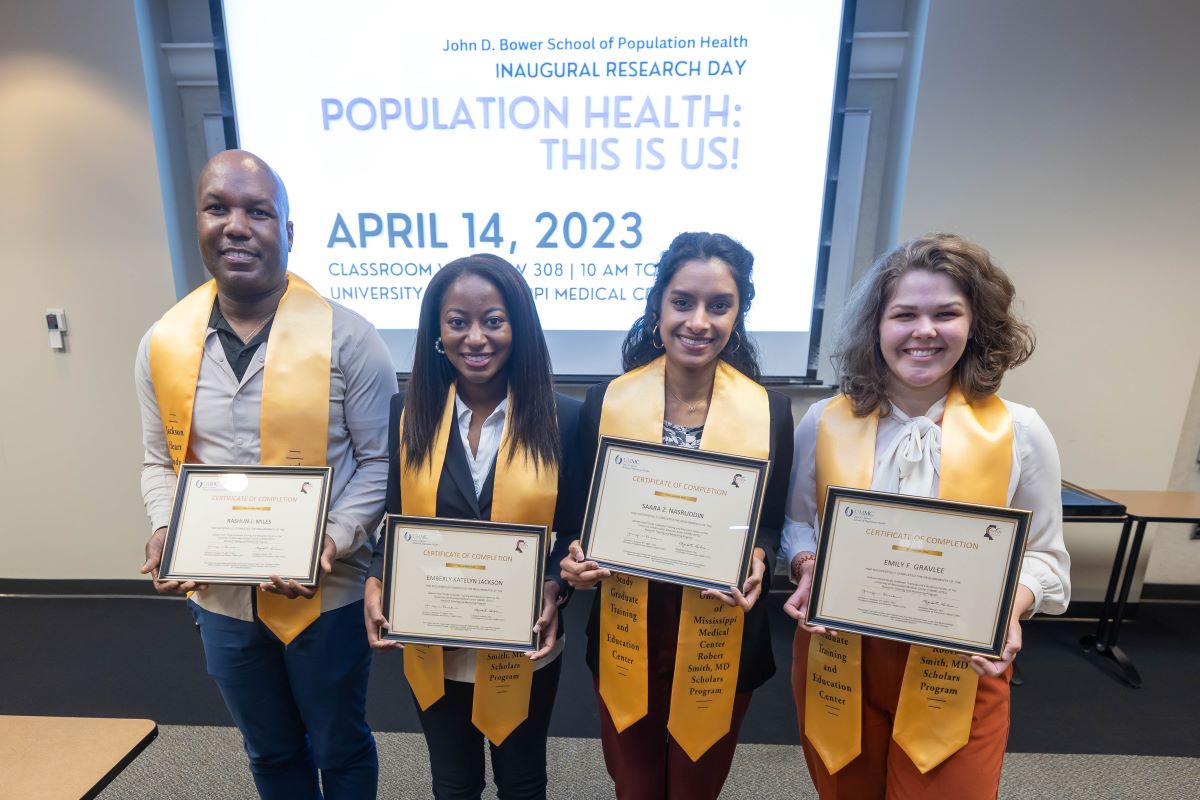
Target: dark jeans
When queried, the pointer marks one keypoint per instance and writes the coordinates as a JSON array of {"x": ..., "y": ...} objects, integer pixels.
[{"x": 300, "y": 708}]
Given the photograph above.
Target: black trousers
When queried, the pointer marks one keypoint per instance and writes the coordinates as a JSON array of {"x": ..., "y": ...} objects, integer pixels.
[{"x": 456, "y": 746}]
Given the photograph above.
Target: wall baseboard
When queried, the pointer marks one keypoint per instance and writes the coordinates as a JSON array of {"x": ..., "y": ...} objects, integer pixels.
[
  {"x": 91, "y": 587},
  {"x": 1171, "y": 591},
  {"x": 88, "y": 587},
  {"x": 1089, "y": 609}
]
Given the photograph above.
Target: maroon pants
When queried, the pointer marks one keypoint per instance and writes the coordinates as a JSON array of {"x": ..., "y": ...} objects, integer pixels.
[
  {"x": 644, "y": 761},
  {"x": 883, "y": 770}
]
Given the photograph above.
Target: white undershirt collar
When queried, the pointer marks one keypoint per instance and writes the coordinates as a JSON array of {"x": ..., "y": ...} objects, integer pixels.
[{"x": 489, "y": 439}]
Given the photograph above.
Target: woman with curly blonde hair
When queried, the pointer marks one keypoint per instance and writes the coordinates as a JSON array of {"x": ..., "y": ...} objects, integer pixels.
[{"x": 926, "y": 340}]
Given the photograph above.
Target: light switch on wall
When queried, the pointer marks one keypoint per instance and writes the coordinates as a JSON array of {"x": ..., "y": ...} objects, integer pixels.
[{"x": 56, "y": 325}]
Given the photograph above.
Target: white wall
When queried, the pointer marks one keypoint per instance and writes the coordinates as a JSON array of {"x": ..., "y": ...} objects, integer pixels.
[
  {"x": 1059, "y": 134},
  {"x": 1063, "y": 136},
  {"x": 81, "y": 227}
]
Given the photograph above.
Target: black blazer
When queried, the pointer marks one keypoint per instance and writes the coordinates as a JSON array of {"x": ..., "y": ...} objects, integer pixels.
[
  {"x": 456, "y": 490},
  {"x": 757, "y": 659}
]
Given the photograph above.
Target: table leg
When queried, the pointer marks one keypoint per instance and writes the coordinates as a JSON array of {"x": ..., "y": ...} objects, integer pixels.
[
  {"x": 1131, "y": 566},
  {"x": 1110, "y": 594},
  {"x": 1104, "y": 643}
]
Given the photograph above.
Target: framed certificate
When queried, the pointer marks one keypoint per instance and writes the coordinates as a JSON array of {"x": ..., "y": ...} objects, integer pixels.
[
  {"x": 463, "y": 583},
  {"x": 243, "y": 524},
  {"x": 918, "y": 570},
  {"x": 673, "y": 514}
]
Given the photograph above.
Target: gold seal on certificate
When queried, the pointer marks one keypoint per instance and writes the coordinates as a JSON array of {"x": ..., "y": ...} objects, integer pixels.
[
  {"x": 243, "y": 524},
  {"x": 918, "y": 570},
  {"x": 463, "y": 583},
  {"x": 672, "y": 514}
]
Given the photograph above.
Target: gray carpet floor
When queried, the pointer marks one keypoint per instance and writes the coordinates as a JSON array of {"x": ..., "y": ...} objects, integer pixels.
[{"x": 207, "y": 762}]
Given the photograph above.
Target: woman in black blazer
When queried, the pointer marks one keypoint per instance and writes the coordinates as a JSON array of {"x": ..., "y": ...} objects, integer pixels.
[
  {"x": 690, "y": 341},
  {"x": 480, "y": 346}
]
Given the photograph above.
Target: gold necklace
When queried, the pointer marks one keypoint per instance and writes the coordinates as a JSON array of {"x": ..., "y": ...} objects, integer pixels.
[
  {"x": 691, "y": 407},
  {"x": 254, "y": 332}
]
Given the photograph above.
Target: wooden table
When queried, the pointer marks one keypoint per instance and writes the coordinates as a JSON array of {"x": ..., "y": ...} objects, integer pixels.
[
  {"x": 66, "y": 758},
  {"x": 1140, "y": 507}
]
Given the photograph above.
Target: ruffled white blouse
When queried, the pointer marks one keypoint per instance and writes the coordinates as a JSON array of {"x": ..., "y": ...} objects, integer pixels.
[{"x": 908, "y": 454}]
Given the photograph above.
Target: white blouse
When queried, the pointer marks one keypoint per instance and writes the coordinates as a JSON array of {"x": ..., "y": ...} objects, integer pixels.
[
  {"x": 908, "y": 459},
  {"x": 489, "y": 439}
]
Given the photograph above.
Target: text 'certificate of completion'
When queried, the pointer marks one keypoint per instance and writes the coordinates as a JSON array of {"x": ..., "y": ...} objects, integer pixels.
[
  {"x": 919, "y": 570},
  {"x": 242, "y": 524},
  {"x": 463, "y": 583},
  {"x": 673, "y": 514}
]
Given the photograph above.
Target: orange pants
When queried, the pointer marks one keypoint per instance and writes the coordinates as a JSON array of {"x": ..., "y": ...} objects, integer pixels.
[{"x": 883, "y": 770}]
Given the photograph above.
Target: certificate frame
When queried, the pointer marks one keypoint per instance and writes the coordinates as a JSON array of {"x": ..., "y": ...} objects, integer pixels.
[
  {"x": 198, "y": 476},
  {"x": 394, "y": 523},
  {"x": 609, "y": 450},
  {"x": 843, "y": 503}
]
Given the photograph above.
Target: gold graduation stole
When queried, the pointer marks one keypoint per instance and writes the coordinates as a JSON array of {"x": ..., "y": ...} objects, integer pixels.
[
  {"x": 933, "y": 717},
  {"x": 295, "y": 400},
  {"x": 739, "y": 422},
  {"x": 521, "y": 493}
]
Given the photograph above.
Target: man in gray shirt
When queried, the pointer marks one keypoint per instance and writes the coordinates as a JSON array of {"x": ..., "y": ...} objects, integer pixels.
[{"x": 291, "y": 661}]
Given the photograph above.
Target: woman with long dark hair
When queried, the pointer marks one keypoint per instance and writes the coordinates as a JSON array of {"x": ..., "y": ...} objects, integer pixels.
[
  {"x": 690, "y": 380},
  {"x": 928, "y": 334},
  {"x": 479, "y": 435}
]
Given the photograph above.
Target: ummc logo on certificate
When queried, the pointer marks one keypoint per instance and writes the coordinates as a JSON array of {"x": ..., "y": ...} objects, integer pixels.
[
  {"x": 629, "y": 464},
  {"x": 861, "y": 514},
  {"x": 422, "y": 537}
]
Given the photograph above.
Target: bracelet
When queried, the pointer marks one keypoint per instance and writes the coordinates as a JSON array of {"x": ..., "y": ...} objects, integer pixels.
[{"x": 798, "y": 564}]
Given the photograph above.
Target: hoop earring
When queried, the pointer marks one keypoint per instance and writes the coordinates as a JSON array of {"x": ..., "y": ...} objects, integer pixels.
[
  {"x": 438, "y": 346},
  {"x": 739, "y": 343},
  {"x": 653, "y": 333}
]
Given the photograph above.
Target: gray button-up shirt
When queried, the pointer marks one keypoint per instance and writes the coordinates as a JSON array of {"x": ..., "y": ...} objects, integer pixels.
[{"x": 225, "y": 430}]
